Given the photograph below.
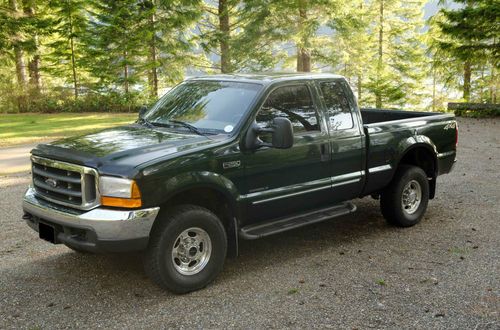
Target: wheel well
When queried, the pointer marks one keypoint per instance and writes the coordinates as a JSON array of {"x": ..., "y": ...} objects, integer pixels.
[
  {"x": 216, "y": 202},
  {"x": 208, "y": 198},
  {"x": 423, "y": 158}
]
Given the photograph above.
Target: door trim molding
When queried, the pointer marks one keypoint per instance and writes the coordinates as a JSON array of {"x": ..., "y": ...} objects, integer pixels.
[{"x": 326, "y": 183}]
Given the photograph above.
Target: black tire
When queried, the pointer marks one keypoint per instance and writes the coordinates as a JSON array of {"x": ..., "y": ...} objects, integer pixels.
[
  {"x": 391, "y": 199},
  {"x": 159, "y": 263}
]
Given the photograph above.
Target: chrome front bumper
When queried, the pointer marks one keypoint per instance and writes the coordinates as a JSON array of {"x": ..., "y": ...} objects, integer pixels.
[{"x": 97, "y": 227}]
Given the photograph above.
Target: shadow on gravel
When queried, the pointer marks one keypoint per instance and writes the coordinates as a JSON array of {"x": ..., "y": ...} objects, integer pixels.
[{"x": 124, "y": 273}]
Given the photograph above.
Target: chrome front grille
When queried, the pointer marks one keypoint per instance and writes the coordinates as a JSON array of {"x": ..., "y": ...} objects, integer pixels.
[{"x": 64, "y": 183}]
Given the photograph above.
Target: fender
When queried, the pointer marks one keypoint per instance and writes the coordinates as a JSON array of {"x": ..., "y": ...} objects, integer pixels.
[
  {"x": 211, "y": 180},
  {"x": 201, "y": 179},
  {"x": 417, "y": 141}
]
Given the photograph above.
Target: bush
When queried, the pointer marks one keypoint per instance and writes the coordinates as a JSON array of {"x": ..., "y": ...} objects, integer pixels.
[
  {"x": 475, "y": 110},
  {"x": 63, "y": 101}
]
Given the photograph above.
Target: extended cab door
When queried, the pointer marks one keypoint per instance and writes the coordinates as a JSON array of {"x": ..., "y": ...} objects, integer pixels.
[
  {"x": 347, "y": 139},
  {"x": 286, "y": 181}
]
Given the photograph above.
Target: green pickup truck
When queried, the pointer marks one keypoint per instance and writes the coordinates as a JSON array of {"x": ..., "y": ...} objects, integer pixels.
[{"x": 228, "y": 157}]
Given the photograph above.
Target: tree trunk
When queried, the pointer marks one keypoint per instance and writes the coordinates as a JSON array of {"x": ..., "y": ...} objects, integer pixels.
[
  {"x": 18, "y": 52},
  {"x": 19, "y": 62},
  {"x": 73, "y": 67},
  {"x": 125, "y": 73},
  {"x": 360, "y": 79},
  {"x": 34, "y": 65},
  {"x": 467, "y": 80},
  {"x": 378, "y": 93},
  {"x": 433, "y": 89},
  {"x": 225, "y": 53},
  {"x": 72, "y": 50},
  {"x": 153, "y": 76},
  {"x": 20, "y": 67},
  {"x": 303, "y": 54},
  {"x": 493, "y": 85}
]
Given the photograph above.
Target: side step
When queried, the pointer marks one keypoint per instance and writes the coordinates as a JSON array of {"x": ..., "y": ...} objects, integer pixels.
[{"x": 295, "y": 221}]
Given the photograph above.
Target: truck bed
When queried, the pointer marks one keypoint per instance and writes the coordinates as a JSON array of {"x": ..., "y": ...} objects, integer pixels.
[
  {"x": 372, "y": 115},
  {"x": 388, "y": 132}
]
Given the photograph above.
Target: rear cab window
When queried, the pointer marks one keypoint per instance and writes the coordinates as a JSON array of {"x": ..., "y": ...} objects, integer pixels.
[{"x": 338, "y": 107}]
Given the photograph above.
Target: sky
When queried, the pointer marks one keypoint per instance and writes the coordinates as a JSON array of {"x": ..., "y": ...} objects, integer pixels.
[{"x": 431, "y": 7}]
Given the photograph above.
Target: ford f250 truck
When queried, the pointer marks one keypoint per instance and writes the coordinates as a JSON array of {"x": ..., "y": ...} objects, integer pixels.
[{"x": 228, "y": 157}]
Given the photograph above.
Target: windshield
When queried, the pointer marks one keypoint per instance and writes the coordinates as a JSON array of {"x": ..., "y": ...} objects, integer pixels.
[{"x": 209, "y": 106}]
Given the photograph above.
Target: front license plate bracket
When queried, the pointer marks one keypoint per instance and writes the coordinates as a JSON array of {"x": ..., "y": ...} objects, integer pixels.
[{"x": 47, "y": 232}]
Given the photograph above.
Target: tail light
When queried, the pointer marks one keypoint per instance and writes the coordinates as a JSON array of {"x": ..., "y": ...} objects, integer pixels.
[{"x": 456, "y": 135}]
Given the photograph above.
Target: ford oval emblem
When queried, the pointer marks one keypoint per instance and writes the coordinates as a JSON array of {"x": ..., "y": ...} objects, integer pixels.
[{"x": 51, "y": 182}]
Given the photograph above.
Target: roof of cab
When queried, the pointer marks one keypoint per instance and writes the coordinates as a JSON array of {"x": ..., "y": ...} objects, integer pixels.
[{"x": 267, "y": 77}]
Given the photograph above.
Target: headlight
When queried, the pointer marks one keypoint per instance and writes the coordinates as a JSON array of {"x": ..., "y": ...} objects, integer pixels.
[{"x": 119, "y": 192}]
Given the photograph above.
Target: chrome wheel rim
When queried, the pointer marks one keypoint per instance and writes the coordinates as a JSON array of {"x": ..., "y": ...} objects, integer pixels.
[
  {"x": 191, "y": 251},
  {"x": 411, "y": 197}
]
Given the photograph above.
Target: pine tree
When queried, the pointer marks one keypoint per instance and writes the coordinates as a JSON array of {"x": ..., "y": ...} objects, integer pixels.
[
  {"x": 17, "y": 25},
  {"x": 168, "y": 39},
  {"x": 446, "y": 72},
  {"x": 34, "y": 64},
  {"x": 16, "y": 41},
  {"x": 471, "y": 34},
  {"x": 70, "y": 24},
  {"x": 115, "y": 43},
  {"x": 399, "y": 68},
  {"x": 302, "y": 20},
  {"x": 347, "y": 50},
  {"x": 242, "y": 35}
]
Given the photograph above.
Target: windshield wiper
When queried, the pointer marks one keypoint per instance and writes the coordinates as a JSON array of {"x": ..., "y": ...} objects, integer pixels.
[
  {"x": 188, "y": 126},
  {"x": 146, "y": 122}
]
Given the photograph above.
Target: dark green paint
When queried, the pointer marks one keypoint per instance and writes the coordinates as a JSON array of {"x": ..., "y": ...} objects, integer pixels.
[{"x": 166, "y": 162}]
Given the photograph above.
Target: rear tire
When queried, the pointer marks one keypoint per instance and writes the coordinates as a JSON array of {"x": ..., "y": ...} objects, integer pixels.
[
  {"x": 405, "y": 201},
  {"x": 187, "y": 249}
]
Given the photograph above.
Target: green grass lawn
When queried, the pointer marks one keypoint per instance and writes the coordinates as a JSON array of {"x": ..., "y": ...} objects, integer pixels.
[{"x": 29, "y": 128}]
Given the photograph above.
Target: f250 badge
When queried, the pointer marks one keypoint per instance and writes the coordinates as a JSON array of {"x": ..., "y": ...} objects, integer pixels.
[
  {"x": 233, "y": 164},
  {"x": 450, "y": 126}
]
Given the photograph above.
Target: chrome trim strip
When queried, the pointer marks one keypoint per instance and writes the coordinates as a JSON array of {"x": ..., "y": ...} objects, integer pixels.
[
  {"x": 329, "y": 183},
  {"x": 108, "y": 224},
  {"x": 291, "y": 194},
  {"x": 379, "y": 168},
  {"x": 325, "y": 181},
  {"x": 83, "y": 170},
  {"x": 346, "y": 182},
  {"x": 347, "y": 176},
  {"x": 446, "y": 154}
]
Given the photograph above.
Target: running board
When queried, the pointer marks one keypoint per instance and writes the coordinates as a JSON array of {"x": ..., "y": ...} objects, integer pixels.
[{"x": 296, "y": 221}]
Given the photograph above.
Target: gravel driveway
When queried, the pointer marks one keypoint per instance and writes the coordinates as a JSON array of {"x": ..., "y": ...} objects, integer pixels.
[{"x": 350, "y": 272}]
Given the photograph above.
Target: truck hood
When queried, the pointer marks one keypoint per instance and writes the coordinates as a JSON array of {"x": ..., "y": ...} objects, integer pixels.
[{"x": 121, "y": 149}]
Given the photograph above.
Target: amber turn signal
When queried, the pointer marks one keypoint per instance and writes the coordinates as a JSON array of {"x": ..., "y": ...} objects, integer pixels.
[
  {"x": 121, "y": 202},
  {"x": 133, "y": 202}
]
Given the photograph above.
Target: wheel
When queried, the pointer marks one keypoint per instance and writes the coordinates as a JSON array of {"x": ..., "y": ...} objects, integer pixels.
[
  {"x": 404, "y": 202},
  {"x": 187, "y": 249}
]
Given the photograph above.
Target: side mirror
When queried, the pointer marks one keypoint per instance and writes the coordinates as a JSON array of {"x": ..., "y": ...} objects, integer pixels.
[
  {"x": 282, "y": 135},
  {"x": 142, "y": 111}
]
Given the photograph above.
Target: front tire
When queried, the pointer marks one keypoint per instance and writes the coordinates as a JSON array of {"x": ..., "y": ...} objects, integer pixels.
[
  {"x": 186, "y": 250},
  {"x": 405, "y": 201}
]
